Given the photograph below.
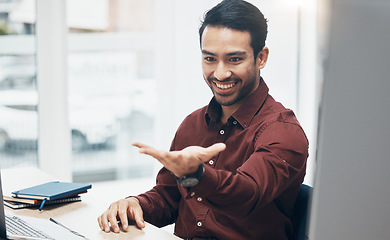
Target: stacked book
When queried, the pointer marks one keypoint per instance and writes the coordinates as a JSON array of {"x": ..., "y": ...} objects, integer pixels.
[{"x": 46, "y": 194}]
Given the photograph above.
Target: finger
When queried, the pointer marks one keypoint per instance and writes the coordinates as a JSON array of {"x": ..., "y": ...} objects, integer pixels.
[
  {"x": 138, "y": 217},
  {"x": 114, "y": 223},
  {"x": 122, "y": 214},
  {"x": 135, "y": 211},
  {"x": 100, "y": 222},
  {"x": 151, "y": 151},
  {"x": 140, "y": 145},
  {"x": 146, "y": 149},
  {"x": 103, "y": 222}
]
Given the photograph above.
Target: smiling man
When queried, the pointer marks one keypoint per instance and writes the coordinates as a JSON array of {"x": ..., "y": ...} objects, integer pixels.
[
  {"x": 230, "y": 66},
  {"x": 235, "y": 166}
]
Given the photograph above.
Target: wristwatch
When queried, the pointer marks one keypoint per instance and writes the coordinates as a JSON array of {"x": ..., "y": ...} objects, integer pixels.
[{"x": 193, "y": 179}]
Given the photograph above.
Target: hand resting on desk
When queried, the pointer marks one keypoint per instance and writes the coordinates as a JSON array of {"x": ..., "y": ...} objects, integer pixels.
[{"x": 122, "y": 210}]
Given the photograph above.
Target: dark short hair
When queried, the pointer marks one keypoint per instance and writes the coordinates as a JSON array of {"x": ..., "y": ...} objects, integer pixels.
[{"x": 239, "y": 15}]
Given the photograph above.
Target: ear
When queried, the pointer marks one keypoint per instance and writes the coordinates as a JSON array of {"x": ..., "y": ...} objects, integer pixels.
[{"x": 262, "y": 58}]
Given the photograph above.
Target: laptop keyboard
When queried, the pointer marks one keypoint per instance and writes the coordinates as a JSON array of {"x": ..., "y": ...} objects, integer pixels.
[{"x": 17, "y": 226}]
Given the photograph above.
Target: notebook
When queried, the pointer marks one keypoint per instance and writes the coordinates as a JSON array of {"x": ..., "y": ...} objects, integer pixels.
[
  {"x": 43, "y": 227},
  {"x": 19, "y": 205},
  {"x": 51, "y": 191}
]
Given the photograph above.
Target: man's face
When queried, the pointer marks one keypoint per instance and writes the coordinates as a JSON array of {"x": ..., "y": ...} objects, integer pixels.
[{"x": 229, "y": 67}]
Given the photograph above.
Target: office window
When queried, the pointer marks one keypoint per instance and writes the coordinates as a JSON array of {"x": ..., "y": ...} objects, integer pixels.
[
  {"x": 133, "y": 74},
  {"x": 112, "y": 87},
  {"x": 18, "y": 94},
  {"x": 139, "y": 51}
]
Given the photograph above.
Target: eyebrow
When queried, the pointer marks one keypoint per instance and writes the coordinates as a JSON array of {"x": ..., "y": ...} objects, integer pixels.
[
  {"x": 237, "y": 53},
  {"x": 207, "y": 52},
  {"x": 229, "y": 54}
]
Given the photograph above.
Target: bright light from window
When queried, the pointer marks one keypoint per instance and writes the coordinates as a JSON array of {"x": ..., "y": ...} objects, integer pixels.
[{"x": 294, "y": 2}]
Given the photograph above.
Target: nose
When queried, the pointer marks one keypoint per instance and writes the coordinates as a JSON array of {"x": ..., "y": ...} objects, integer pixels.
[{"x": 222, "y": 72}]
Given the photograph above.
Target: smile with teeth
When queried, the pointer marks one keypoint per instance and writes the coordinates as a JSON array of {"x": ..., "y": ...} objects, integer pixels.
[{"x": 224, "y": 86}]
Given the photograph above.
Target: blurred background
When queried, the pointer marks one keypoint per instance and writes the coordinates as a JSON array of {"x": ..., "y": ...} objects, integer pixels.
[{"x": 133, "y": 73}]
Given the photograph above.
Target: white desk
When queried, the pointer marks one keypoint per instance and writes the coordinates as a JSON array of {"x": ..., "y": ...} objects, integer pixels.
[{"x": 82, "y": 216}]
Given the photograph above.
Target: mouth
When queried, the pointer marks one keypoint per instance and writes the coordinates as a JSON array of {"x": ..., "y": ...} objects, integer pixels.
[{"x": 224, "y": 86}]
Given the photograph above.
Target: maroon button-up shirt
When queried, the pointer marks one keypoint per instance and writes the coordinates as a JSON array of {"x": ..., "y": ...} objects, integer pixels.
[{"x": 248, "y": 190}]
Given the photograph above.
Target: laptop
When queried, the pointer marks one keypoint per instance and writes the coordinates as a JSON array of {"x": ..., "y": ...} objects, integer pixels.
[{"x": 21, "y": 227}]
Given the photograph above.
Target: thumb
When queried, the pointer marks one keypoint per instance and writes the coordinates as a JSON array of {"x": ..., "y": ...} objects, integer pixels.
[{"x": 215, "y": 149}]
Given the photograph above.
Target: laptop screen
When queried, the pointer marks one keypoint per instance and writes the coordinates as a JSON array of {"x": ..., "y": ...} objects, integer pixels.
[{"x": 3, "y": 231}]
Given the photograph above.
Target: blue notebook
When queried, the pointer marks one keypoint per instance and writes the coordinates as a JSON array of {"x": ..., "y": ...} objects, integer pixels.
[{"x": 51, "y": 191}]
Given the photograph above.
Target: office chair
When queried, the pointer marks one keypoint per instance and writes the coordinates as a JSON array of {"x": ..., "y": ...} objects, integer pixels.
[{"x": 300, "y": 212}]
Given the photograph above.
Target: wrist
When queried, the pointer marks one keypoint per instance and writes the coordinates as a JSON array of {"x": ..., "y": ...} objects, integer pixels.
[
  {"x": 133, "y": 199},
  {"x": 193, "y": 179}
]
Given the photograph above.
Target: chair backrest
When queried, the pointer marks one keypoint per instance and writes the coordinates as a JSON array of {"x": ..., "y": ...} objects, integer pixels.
[{"x": 300, "y": 212}]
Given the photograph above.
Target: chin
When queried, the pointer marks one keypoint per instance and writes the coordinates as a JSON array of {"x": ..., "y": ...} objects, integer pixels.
[{"x": 226, "y": 102}]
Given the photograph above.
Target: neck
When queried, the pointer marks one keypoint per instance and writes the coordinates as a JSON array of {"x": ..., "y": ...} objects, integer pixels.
[{"x": 228, "y": 111}]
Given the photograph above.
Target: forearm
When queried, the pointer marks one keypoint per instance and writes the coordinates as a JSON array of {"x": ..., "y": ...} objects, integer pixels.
[
  {"x": 254, "y": 185},
  {"x": 160, "y": 204},
  {"x": 231, "y": 194}
]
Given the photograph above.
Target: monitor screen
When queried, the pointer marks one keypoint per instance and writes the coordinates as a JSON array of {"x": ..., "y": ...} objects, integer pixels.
[{"x": 351, "y": 187}]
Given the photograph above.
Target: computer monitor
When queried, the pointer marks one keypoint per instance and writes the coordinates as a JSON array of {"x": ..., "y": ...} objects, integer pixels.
[{"x": 351, "y": 197}]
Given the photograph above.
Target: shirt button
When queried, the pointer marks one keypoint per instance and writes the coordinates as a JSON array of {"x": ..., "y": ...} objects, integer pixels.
[
  {"x": 222, "y": 132},
  {"x": 234, "y": 122},
  {"x": 211, "y": 162},
  {"x": 199, "y": 224},
  {"x": 199, "y": 199},
  {"x": 192, "y": 194}
]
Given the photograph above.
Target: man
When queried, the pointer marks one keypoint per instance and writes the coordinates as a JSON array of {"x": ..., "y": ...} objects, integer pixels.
[{"x": 235, "y": 166}]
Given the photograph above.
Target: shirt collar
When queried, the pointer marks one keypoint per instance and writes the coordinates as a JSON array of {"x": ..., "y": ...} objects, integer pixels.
[{"x": 247, "y": 110}]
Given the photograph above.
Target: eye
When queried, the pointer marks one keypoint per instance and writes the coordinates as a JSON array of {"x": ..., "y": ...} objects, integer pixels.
[
  {"x": 235, "y": 59},
  {"x": 209, "y": 59}
]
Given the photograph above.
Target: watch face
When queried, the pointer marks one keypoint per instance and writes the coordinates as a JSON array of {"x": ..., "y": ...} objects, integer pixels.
[
  {"x": 192, "y": 179},
  {"x": 189, "y": 182}
]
